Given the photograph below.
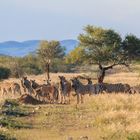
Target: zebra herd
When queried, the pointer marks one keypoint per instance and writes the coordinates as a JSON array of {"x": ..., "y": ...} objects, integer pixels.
[{"x": 61, "y": 92}]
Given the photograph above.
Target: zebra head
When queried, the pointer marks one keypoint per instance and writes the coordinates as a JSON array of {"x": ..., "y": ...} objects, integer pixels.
[
  {"x": 34, "y": 84},
  {"x": 25, "y": 82},
  {"x": 62, "y": 81},
  {"x": 75, "y": 83}
]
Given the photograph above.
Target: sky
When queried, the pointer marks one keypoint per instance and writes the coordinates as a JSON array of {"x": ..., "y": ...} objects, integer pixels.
[{"x": 65, "y": 19}]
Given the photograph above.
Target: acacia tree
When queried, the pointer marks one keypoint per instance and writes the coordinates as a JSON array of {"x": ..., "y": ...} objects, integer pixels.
[
  {"x": 48, "y": 51},
  {"x": 103, "y": 47}
]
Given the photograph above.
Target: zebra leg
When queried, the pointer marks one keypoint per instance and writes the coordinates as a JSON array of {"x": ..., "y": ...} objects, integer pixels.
[
  {"x": 78, "y": 98},
  {"x": 38, "y": 97},
  {"x": 69, "y": 98},
  {"x": 65, "y": 101},
  {"x": 61, "y": 99},
  {"x": 3, "y": 91},
  {"x": 82, "y": 99},
  {"x": 13, "y": 91},
  {"x": 59, "y": 96},
  {"x": 20, "y": 93}
]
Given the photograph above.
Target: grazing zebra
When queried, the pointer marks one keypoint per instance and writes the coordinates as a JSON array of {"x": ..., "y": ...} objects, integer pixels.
[
  {"x": 81, "y": 89},
  {"x": 64, "y": 89},
  {"x": 114, "y": 88}
]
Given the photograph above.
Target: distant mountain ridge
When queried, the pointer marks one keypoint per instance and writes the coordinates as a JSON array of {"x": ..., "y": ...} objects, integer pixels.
[{"x": 20, "y": 49}]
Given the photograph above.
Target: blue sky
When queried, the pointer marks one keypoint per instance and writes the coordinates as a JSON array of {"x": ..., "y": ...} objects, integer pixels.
[{"x": 64, "y": 19}]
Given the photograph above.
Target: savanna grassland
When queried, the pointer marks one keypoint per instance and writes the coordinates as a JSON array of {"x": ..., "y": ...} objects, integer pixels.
[{"x": 100, "y": 117}]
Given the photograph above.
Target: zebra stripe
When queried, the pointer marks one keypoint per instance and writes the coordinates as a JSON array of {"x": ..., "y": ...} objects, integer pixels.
[
  {"x": 81, "y": 89},
  {"x": 116, "y": 88},
  {"x": 64, "y": 89},
  {"x": 135, "y": 89}
]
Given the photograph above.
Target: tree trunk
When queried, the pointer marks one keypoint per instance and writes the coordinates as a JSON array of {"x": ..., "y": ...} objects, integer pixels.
[
  {"x": 101, "y": 76},
  {"x": 102, "y": 72},
  {"x": 48, "y": 70}
]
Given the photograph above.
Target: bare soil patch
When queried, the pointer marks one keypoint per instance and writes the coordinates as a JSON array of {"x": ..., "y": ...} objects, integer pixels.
[{"x": 27, "y": 99}]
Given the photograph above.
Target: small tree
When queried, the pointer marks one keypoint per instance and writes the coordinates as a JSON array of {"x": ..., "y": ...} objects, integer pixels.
[
  {"x": 103, "y": 47},
  {"x": 15, "y": 67},
  {"x": 48, "y": 51}
]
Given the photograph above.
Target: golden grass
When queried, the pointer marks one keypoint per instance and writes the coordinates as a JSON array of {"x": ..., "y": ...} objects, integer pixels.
[
  {"x": 110, "y": 117},
  {"x": 101, "y": 117}
]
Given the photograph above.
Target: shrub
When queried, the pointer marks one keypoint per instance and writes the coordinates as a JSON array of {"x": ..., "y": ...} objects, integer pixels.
[
  {"x": 4, "y": 73},
  {"x": 6, "y": 136},
  {"x": 12, "y": 108},
  {"x": 134, "y": 136},
  {"x": 9, "y": 123},
  {"x": 31, "y": 69}
]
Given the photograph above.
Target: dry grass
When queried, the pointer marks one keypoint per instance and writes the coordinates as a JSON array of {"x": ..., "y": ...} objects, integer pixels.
[
  {"x": 110, "y": 117},
  {"x": 101, "y": 117}
]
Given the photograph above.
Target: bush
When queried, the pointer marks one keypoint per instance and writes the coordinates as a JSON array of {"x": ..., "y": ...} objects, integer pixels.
[
  {"x": 31, "y": 69},
  {"x": 6, "y": 136},
  {"x": 4, "y": 73},
  {"x": 134, "y": 136},
  {"x": 10, "y": 102},
  {"x": 12, "y": 108},
  {"x": 9, "y": 123},
  {"x": 60, "y": 66}
]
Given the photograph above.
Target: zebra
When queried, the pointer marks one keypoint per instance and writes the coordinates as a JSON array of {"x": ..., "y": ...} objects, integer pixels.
[
  {"x": 114, "y": 88},
  {"x": 135, "y": 89},
  {"x": 48, "y": 91},
  {"x": 16, "y": 88},
  {"x": 26, "y": 84},
  {"x": 64, "y": 89},
  {"x": 81, "y": 89}
]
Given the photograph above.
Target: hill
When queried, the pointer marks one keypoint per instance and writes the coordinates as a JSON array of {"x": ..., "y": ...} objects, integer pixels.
[{"x": 20, "y": 49}]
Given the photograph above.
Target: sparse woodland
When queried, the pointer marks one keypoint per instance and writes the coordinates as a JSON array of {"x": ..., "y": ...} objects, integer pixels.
[
  {"x": 97, "y": 46},
  {"x": 102, "y": 56}
]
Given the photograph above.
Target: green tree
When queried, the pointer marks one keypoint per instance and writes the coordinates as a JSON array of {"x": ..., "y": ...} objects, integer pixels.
[
  {"x": 15, "y": 67},
  {"x": 131, "y": 46},
  {"x": 49, "y": 51},
  {"x": 103, "y": 47},
  {"x": 31, "y": 64},
  {"x": 76, "y": 56}
]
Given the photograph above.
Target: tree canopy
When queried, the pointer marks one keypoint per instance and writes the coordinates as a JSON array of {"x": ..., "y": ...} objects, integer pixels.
[
  {"x": 49, "y": 51},
  {"x": 131, "y": 46},
  {"x": 101, "y": 45},
  {"x": 76, "y": 56}
]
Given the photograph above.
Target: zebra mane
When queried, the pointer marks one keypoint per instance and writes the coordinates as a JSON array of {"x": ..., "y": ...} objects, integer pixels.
[{"x": 80, "y": 83}]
